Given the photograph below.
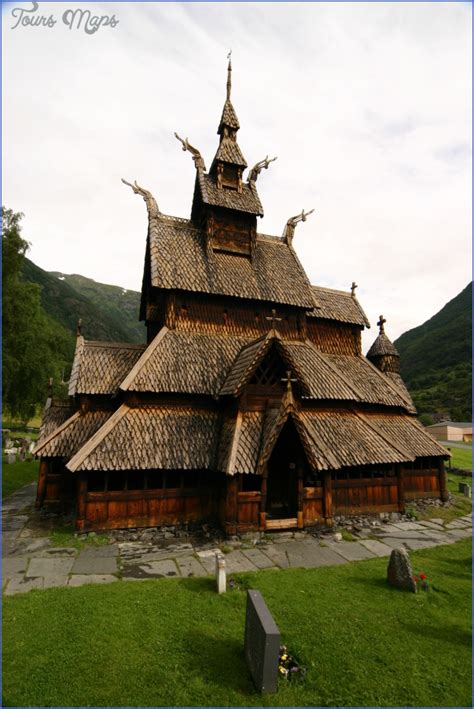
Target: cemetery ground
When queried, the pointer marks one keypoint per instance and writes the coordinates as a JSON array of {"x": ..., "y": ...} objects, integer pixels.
[{"x": 176, "y": 642}]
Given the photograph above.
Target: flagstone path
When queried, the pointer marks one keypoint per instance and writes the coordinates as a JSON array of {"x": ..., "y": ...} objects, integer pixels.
[{"x": 30, "y": 561}]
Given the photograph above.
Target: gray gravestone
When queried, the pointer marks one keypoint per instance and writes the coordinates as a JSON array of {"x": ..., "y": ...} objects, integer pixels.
[
  {"x": 262, "y": 644},
  {"x": 465, "y": 489},
  {"x": 399, "y": 572}
]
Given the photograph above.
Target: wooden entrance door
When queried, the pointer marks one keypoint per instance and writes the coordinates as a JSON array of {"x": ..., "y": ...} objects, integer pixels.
[{"x": 282, "y": 481}]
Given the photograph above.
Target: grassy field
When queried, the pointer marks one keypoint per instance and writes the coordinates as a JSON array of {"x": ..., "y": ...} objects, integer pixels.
[
  {"x": 176, "y": 642},
  {"x": 461, "y": 458},
  {"x": 17, "y": 475}
]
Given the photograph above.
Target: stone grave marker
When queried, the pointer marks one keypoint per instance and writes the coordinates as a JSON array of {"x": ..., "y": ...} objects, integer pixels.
[
  {"x": 220, "y": 574},
  {"x": 465, "y": 489},
  {"x": 262, "y": 644},
  {"x": 11, "y": 458},
  {"x": 399, "y": 572}
]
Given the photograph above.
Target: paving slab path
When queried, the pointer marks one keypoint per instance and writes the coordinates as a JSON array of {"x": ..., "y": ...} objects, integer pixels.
[{"x": 30, "y": 561}]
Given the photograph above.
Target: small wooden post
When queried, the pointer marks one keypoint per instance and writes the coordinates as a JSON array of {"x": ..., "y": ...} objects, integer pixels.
[
  {"x": 327, "y": 496},
  {"x": 232, "y": 504},
  {"x": 263, "y": 500},
  {"x": 42, "y": 479},
  {"x": 299, "y": 513},
  {"x": 401, "y": 488},
  {"x": 443, "y": 483},
  {"x": 81, "y": 502}
]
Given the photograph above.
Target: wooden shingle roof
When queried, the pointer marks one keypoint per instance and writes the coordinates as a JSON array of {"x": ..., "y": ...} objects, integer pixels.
[
  {"x": 152, "y": 437},
  {"x": 382, "y": 346},
  {"x": 332, "y": 439},
  {"x": 55, "y": 413},
  {"x": 179, "y": 261},
  {"x": 337, "y": 305},
  {"x": 229, "y": 151},
  {"x": 178, "y": 361},
  {"x": 245, "y": 201},
  {"x": 99, "y": 367},
  {"x": 66, "y": 439}
]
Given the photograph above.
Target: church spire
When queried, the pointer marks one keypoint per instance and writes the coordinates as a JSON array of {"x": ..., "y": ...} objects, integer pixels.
[{"x": 229, "y": 75}]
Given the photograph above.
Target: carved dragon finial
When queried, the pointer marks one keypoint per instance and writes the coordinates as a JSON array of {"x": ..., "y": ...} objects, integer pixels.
[
  {"x": 258, "y": 167},
  {"x": 229, "y": 74},
  {"x": 289, "y": 230},
  {"x": 150, "y": 201},
  {"x": 197, "y": 157}
]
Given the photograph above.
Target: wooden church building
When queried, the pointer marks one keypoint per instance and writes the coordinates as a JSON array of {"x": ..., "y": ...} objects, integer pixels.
[{"x": 251, "y": 405}]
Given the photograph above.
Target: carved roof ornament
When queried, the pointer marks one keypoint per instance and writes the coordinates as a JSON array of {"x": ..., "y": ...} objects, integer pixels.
[
  {"x": 197, "y": 157},
  {"x": 353, "y": 288},
  {"x": 258, "y": 167},
  {"x": 79, "y": 328},
  {"x": 273, "y": 318},
  {"x": 150, "y": 201},
  {"x": 381, "y": 324},
  {"x": 288, "y": 398},
  {"x": 289, "y": 230}
]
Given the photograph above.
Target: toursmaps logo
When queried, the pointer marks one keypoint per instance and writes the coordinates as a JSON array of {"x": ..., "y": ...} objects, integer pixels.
[{"x": 76, "y": 18}]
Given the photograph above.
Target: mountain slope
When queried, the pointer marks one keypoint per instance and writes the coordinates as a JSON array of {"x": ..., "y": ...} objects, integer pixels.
[
  {"x": 105, "y": 315},
  {"x": 436, "y": 360}
]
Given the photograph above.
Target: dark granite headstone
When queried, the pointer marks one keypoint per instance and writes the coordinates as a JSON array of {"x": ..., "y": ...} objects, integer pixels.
[{"x": 262, "y": 644}]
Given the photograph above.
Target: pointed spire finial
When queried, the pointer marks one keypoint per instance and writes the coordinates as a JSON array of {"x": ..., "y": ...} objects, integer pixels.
[
  {"x": 79, "y": 328},
  {"x": 381, "y": 323},
  {"x": 353, "y": 288},
  {"x": 229, "y": 74}
]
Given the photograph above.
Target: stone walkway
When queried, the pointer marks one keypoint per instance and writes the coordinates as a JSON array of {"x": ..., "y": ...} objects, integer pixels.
[{"x": 29, "y": 560}]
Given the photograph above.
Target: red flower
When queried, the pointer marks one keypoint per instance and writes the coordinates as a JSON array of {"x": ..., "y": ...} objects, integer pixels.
[{"x": 423, "y": 577}]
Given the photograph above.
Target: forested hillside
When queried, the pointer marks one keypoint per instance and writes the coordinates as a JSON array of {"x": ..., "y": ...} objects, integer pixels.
[
  {"x": 436, "y": 360},
  {"x": 107, "y": 312}
]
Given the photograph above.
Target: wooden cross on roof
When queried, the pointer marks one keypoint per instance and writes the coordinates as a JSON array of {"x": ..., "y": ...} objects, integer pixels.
[
  {"x": 353, "y": 288},
  {"x": 381, "y": 323},
  {"x": 273, "y": 318},
  {"x": 289, "y": 380}
]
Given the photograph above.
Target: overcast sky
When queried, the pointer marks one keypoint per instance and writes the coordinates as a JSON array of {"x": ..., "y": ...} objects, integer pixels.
[{"x": 366, "y": 105}]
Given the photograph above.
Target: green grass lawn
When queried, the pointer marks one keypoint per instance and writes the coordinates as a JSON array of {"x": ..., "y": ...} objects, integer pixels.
[
  {"x": 176, "y": 642},
  {"x": 17, "y": 475},
  {"x": 461, "y": 458}
]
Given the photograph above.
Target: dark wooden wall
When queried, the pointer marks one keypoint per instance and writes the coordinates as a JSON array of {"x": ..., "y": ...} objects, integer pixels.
[{"x": 334, "y": 337}]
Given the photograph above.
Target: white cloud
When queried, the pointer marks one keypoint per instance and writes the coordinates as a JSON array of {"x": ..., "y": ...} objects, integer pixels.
[{"x": 367, "y": 105}]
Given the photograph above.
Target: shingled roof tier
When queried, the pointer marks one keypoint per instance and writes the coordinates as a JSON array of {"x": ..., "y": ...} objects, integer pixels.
[
  {"x": 179, "y": 260},
  {"x": 152, "y": 437},
  {"x": 228, "y": 117},
  {"x": 320, "y": 376},
  {"x": 229, "y": 151},
  {"x": 337, "y": 305},
  {"x": 178, "y": 361},
  {"x": 99, "y": 367},
  {"x": 55, "y": 413},
  {"x": 66, "y": 439},
  {"x": 382, "y": 346},
  {"x": 245, "y": 201},
  {"x": 331, "y": 439}
]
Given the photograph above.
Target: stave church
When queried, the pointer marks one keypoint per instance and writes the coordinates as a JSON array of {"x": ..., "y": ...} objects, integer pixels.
[{"x": 251, "y": 406}]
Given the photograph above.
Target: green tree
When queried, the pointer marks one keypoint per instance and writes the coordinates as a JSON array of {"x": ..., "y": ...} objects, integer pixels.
[{"x": 35, "y": 347}]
